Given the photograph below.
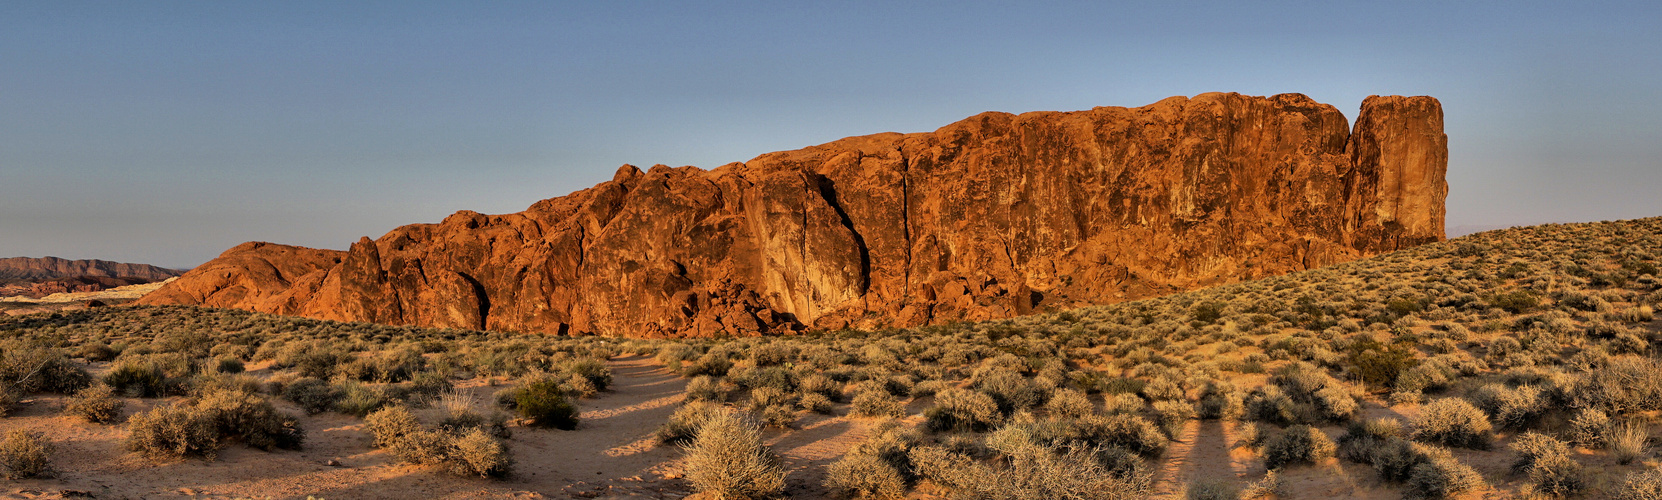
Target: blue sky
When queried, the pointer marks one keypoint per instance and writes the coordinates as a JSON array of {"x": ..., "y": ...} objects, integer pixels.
[{"x": 166, "y": 132}]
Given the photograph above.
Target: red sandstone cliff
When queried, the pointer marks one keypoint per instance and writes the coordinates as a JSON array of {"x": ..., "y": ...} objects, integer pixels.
[{"x": 988, "y": 217}]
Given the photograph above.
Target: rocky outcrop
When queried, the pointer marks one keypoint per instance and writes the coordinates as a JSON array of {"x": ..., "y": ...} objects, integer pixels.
[{"x": 993, "y": 216}]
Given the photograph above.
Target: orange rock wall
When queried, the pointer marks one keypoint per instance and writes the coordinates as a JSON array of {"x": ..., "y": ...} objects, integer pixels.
[{"x": 993, "y": 216}]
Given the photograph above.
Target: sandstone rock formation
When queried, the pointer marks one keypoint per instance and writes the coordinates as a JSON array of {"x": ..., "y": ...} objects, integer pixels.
[{"x": 993, "y": 216}]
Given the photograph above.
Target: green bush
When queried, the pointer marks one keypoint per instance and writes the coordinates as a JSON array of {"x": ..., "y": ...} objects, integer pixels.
[
  {"x": 727, "y": 460},
  {"x": 96, "y": 404},
  {"x": 312, "y": 395},
  {"x": 1452, "y": 422},
  {"x": 1298, "y": 444},
  {"x": 541, "y": 403},
  {"x": 24, "y": 455}
]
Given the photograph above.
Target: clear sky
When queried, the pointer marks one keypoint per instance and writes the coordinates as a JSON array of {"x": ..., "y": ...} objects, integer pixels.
[{"x": 165, "y": 132}]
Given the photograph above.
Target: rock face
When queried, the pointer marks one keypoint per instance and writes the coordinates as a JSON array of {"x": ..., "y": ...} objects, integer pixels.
[{"x": 993, "y": 216}]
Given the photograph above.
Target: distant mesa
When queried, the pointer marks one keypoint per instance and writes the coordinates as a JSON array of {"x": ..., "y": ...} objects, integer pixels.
[
  {"x": 993, "y": 216},
  {"x": 39, "y": 277}
]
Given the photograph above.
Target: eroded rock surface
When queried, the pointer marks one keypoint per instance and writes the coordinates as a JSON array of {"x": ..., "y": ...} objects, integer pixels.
[{"x": 993, "y": 216}]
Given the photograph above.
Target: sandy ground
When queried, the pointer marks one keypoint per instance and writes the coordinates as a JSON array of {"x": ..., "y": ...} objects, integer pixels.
[{"x": 613, "y": 455}]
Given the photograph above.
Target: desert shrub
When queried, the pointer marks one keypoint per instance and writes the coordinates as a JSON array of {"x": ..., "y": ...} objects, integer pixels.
[
  {"x": 1623, "y": 385},
  {"x": 1033, "y": 472},
  {"x": 1440, "y": 475},
  {"x": 1626, "y": 441},
  {"x": 706, "y": 388},
  {"x": 139, "y": 378},
  {"x": 542, "y": 403},
  {"x": 816, "y": 402},
  {"x": 866, "y": 476},
  {"x": 1171, "y": 416},
  {"x": 389, "y": 424},
  {"x": 476, "y": 453},
  {"x": 1162, "y": 389},
  {"x": 96, "y": 404},
  {"x": 684, "y": 423},
  {"x": 1509, "y": 407},
  {"x": 876, "y": 403},
  {"x": 200, "y": 427},
  {"x": 594, "y": 370},
  {"x": 250, "y": 418},
  {"x": 1211, "y": 489},
  {"x": 780, "y": 416},
  {"x": 763, "y": 397},
  {"x": 1378, "y": 364},
  {"x": 1363, "y": 439},
  {"x": 1588, "y": 428},
  {"x": 1129, "y": 432},
  {"x": 1069, "y": 403},
  {"x": 1298, "y": 444},
  {"x": 95, "y": 352},
  {"x": 925, "y": 388},
  {"x": 1641, "y": 485},
  {"x": 358, "y": 399},
  {"x": 1115, "y": 404},
  {"x": 1452, "y": 422},
  {"x": 1548, "y": 464},
  {"x": 727, "y": 460},
  {"x": 312, "y": 395},
  {"x": 1270, "y": 404},
  {"x": 171, "y": 432},
  {"x": 1221, "y": 401},
  {"x": 1010, "y": 390},
  {"x": 25, "y": 454},
  {"x": 962, "y": 410},
  {"x": 422, "y": 447},
  {"x": 1531, "y": 446},
  {"x": 1267, "y": 487},
  {"x": 1515, "y": 302},
  {"x": 228, "y": 365}
]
